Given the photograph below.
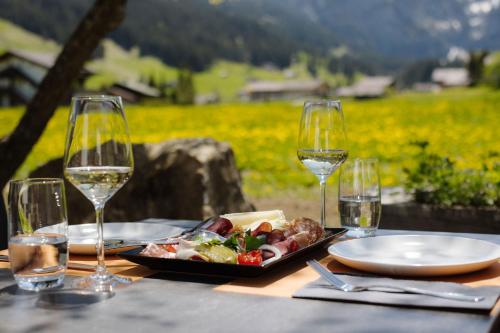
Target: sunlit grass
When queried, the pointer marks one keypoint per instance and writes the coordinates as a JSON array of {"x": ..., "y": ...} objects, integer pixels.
[{"x": 462, "y": 124}]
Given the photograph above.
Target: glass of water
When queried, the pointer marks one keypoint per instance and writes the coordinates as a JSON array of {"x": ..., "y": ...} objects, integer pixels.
[
  {"x": 38, "y": 228},
  {"x": 359, "y": 197}
]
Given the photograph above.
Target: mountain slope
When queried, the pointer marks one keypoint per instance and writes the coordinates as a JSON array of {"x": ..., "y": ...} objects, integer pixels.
[
  {"x": 182, "y": 33},
  {"x": 196, "y": 33}
]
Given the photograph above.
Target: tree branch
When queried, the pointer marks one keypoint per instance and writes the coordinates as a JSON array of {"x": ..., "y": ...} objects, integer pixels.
[{"x": 102, "y": 18}]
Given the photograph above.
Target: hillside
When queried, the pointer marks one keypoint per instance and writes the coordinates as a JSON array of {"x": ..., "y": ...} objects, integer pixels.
[
  {"x": 377, "y": 35},
  {"x": 14, "y": 37},
  {"x": 114, "y": 64},
  {"x": 182, "y": 33}
]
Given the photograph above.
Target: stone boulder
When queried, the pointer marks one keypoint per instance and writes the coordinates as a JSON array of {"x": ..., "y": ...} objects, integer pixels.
[{"x": 179, "y": 179}]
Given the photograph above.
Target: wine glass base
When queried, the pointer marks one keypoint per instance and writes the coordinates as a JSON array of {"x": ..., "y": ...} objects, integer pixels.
[
  {"x": 105, "y": 283},
  {"x": 361, "y": 232}
]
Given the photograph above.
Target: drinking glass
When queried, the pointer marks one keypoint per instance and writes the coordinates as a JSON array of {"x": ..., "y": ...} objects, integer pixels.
[
  {"x": 98, "y": 161},
  {"x": 322, "y": 142},
  {"x": 38, "y": 225},
  {"x": 359, "y": 197}
]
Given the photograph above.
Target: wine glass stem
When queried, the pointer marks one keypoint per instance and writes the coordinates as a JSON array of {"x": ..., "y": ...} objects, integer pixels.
[
  {"x": 322, "y": 185},
  {"x": 99, "y": 217}
]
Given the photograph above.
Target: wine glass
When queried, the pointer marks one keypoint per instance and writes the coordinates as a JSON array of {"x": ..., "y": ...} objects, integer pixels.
[
  {"x": 98, "y": 161},
  {"x": 322, "y": 142}
]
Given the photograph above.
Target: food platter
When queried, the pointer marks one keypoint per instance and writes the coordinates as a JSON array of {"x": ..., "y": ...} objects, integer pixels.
[{"x": 222, "y": 269}]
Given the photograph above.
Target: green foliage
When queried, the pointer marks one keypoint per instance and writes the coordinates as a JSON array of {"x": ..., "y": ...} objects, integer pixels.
[
  {"x": 436, "y": 180},
  {"x": 475, "y": 66},
  {"x": 492, "y": 71},
  {"x": 118, "y": 64},
  {"x": 184, "y": 92},
  {"x": 14, "y": 37},
  {"x": 419, "y": 71}
]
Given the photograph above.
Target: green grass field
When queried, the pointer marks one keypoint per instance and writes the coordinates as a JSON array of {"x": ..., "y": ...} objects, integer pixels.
[{"x": 462, "y": 124}]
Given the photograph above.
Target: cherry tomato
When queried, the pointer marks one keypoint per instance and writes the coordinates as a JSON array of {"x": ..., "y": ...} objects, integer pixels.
[
  {"x": 250, "y": 258},
  {"x": 171, "y": 248}
]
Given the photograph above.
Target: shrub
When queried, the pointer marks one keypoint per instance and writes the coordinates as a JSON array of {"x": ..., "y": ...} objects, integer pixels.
[{"x": 436, "y": 180}]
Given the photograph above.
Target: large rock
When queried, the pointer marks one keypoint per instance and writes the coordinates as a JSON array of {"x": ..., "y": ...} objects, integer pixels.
[{"x": 180, "y": 179}]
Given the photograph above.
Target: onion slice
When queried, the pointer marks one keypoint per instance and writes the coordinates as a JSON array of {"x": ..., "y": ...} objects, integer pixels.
[{"x": 272, "y": 248}]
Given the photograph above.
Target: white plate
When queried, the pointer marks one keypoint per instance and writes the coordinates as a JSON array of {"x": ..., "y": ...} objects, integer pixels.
[
  {"x": 416, "y": 255},
  {"x": 83, "y": 237}
]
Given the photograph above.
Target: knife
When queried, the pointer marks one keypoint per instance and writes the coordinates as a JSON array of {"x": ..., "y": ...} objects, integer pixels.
[{"x": 113, "y": 244}]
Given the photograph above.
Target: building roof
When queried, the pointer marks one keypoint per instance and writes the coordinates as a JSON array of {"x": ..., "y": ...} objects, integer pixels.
[
  {"x": 370, "y": 86},
  {"x": 138, "y": 88},
  {"x": 282, "y": 86},
  {"x": 451, "y": 76},
  {"x": 45, "y": 60}
]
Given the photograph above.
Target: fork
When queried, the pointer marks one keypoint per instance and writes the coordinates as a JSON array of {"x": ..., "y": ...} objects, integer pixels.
[{"x": 344, "y": 286}]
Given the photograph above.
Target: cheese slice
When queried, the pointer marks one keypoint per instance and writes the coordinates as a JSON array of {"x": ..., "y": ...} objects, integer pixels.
[{"x": 252, "y": 220}]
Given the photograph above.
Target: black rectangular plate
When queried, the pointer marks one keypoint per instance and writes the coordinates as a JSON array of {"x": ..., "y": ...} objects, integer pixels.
[{"x": 231, "y": 270}]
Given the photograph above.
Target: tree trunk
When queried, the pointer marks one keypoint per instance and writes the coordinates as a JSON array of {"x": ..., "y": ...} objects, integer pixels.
[{"x": 102, "y": 18}]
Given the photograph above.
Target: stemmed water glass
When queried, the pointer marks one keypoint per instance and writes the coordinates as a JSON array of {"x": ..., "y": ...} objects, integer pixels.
[
  {"x": 98, "y": 161},
  {"x": 322, "y": 142}
]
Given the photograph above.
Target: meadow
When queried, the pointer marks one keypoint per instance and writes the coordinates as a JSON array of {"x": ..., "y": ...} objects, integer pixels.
[{"x": 461, "y": 124}]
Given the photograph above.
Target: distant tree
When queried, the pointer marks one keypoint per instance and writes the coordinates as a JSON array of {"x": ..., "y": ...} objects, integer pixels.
[
  {"x": 151, "y": 81},
  {"x": 312, "y": 66},
  {"x": 419, "y": 71},
  {"x": 349, "y": 66},
  {"x": 475, "y": 66},
  {"x": 492, "y": 72},
  {"x": 185, "y": 87},
  {"x": 103, "y": 17}
]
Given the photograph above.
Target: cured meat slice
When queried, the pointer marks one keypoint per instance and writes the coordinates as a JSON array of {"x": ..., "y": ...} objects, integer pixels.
[{"x": 309, "y": 226}]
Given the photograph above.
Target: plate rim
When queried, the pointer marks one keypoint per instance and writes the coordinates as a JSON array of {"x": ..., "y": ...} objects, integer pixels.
[
  {"x": 490, "y": 258},
  {"x": 72, "y": 240}
]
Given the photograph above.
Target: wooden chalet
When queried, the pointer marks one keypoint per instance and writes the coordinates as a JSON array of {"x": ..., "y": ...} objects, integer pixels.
[
  {"x": 133, "y": 91},
  {"x": 451, "y": 77},
  {"x": 21, "y": 72},
  {"x": 367, "y": 87},
  {"x": 278, "y": 90}
]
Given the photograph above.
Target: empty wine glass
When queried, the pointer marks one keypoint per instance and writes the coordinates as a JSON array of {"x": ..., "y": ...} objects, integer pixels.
[
  {"x": 322, "y": 142},
  {"x": 98, "y": 161}
]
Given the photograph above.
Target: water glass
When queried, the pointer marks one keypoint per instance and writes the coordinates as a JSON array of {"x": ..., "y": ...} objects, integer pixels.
[
  {"x": 38, "y": 228},
  {"x": 359, "y": 197}
]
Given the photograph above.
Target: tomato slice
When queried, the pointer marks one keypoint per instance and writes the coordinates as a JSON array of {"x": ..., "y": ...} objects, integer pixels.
[
  {"x": 171, "y": 248},
  {"x": 250, "y": 258}
]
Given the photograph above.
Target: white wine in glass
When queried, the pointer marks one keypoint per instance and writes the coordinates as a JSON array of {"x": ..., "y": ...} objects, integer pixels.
[
  {"x": 98, "y": 161},
  {"x": 322, "y": 142}
]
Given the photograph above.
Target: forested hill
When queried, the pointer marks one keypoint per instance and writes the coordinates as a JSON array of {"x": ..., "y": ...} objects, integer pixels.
[
  {"x": 194, "y": 33},
  {"x": 182, "y": 33}
]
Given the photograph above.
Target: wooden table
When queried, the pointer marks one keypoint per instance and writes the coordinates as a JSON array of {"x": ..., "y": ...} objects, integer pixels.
[{"x": 186, "y": 303}]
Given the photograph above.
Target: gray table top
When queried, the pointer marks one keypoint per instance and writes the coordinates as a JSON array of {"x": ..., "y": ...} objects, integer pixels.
[{"x": 176, "y": 303}]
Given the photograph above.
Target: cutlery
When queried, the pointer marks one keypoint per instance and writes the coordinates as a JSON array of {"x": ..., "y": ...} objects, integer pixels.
[
  {"x": 71, "y": 265},
  {"x": 112, "y": 243},
  {"x": 344, "y": 286}
]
